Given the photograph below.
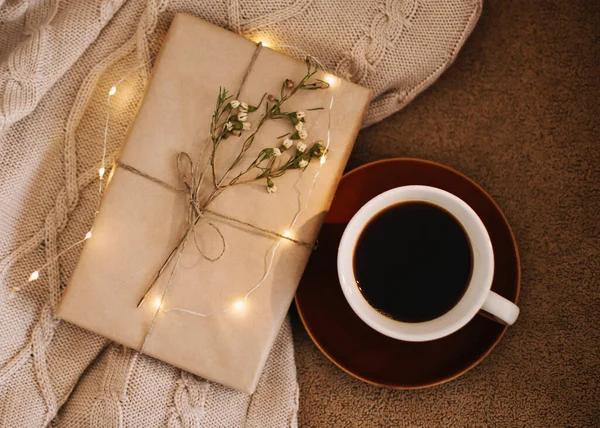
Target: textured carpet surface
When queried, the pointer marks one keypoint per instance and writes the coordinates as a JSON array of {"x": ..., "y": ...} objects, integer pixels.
[{"x": 518, "y": 113}]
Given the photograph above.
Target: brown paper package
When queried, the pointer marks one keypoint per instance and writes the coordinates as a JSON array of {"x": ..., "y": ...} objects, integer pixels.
[{"x": 140, "y": 222}]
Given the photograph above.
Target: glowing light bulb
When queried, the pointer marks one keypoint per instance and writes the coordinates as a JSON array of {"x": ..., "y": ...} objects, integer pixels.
[
  {"x": 101, "y": 172},
  {"x": 35, "y": 275},
  {"x": 112, "y": 91},
  {"x": 88, "y": 235},
  {"x": 239, "y": 304},
  {"x": 323, "y": 159},
  {"x": 157, "y": 302},
  {"x": 331, "y": 79},
  {"x": 287, "y": 233},
  {"x": 265, "y": 44}
]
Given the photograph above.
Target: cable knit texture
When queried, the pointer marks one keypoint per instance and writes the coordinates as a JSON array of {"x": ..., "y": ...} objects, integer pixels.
[{"x": 58, "y": 59}]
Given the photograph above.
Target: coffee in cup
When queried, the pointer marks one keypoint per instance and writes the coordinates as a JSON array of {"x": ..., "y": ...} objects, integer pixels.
[
  {"x": 416, "y": 263},
  {"x": 413, "y": 261}
]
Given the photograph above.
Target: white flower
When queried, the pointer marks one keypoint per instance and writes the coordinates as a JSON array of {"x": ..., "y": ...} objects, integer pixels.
[
  {"x": 299, "y": 114},
  {"x": 276, "y": 152},
  {"x": 242, "y": 116},
  {"x": 229, "y": 126},
  {"x": 246, "y": 126},
  {"x": 287, "y": 143},
  {"x": 301, "y": 147},
  {"x": 303, "y": 163},
  {"x": 272, "y": 189},
  {"x": 243, "y": 106},
  {"x": 299, "y": 126},
  {"x": 234, "y": 104},
  {"x": 302, "y": 134}
]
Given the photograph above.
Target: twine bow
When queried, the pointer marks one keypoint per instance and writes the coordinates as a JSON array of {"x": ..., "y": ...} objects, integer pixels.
[
  {"x": 185, "y": 167},
  {"x": 197, "y": 211}
]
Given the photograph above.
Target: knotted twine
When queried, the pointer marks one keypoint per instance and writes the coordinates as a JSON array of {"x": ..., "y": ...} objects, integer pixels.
[{"x": 197, "y": 212}]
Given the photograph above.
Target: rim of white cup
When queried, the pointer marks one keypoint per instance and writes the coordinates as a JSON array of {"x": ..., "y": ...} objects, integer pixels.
[{"x": 479, "y": 284}]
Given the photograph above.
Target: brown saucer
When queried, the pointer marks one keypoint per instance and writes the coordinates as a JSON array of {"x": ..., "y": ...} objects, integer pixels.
[{"x": 363, "y": 352}]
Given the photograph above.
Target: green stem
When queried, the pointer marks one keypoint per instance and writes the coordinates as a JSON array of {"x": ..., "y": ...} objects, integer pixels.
[{"x": 248, "y": 143}]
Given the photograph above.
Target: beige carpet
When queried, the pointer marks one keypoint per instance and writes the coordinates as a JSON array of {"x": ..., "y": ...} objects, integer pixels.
[{"x": 518, "y": 113}]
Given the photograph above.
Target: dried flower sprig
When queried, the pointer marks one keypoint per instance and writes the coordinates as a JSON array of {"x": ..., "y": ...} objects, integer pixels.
[
  {"x": 266, "y": 159},
  {"x": 233, "y": 124},
  {"x": 299, "y": 160}
]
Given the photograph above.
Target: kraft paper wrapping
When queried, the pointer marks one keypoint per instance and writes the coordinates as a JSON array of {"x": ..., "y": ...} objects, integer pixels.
[{"x": 140, "y": 222}]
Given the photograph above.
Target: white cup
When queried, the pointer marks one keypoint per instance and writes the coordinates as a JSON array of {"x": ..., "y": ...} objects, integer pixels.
[{"x": 478, "y": 295}]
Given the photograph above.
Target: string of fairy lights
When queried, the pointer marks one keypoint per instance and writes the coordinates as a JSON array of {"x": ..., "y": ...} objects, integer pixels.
[
  {"x": 240, "y": 303},
  {"x": 101, "y": 171}
]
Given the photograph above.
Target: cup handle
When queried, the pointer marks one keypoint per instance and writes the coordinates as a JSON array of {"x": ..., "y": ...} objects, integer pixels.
[{"x": 502, "y": 309}]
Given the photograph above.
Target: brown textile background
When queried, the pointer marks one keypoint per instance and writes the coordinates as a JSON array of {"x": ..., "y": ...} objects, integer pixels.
[{"x": 518, "y": 113}]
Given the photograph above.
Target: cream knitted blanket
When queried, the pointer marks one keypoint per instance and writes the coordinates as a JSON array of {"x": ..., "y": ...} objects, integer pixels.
[{"x": 58, "y": 59}]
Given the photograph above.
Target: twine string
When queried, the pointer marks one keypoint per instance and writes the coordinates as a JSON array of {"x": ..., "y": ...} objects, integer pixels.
[
  {"x": 201, "y": 210},
  {"x": 155, "y": 316},
  {"x": 259, "y": 45}
]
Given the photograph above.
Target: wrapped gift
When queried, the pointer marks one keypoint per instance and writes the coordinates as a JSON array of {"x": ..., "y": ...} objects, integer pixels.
[{"x": 198, "y": 278}]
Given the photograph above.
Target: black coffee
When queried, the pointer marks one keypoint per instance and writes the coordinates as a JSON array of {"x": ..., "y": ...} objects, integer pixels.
[{"x": 413, "y": 262}]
